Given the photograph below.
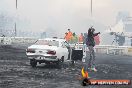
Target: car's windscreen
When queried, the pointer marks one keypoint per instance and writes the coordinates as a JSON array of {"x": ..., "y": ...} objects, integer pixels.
[{"x": 47, "y": 42}]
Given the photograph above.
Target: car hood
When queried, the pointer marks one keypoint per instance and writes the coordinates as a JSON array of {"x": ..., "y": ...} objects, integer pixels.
[{"x": 46, "y": 47}]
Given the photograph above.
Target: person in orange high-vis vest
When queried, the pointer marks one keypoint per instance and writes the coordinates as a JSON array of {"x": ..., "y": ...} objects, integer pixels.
[
  {"x": 66, "y": 37},
  {"x": 69, "y": 34},
  {"x": 81, "y": 38}
]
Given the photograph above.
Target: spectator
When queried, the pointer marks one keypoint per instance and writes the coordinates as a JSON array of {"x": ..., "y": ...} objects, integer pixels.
[
  {"x": 81, "y": 38},
  {"x": 74, "y": 38},
  {"x": 66, "y": 37},
  {"x": 91, "y": 43},
  {"x": 69, "y": 34}
]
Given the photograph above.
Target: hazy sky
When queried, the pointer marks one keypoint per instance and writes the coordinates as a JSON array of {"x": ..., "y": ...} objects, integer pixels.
[{"x": 63, "y": 14}]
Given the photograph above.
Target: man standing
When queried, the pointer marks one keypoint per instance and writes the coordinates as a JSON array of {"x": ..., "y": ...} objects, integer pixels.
[
  {"x": 91, "y": 43},
  {"x": 74, "y": 38},
  {"x": 81, "y": 37},
  {"x": 69, "y": 34},
  {"x": 66, "y": 37}
]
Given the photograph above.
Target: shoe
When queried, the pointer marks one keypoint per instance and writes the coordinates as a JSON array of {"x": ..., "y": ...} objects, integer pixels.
[{"x": 94, "y": 69}]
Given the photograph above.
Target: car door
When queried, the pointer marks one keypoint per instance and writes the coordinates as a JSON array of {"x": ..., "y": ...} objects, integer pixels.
[{"x": 64, "y": 50}]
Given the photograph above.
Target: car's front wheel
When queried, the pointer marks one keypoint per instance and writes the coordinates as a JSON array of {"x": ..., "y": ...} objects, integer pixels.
[{"x": 33, "y": 62}]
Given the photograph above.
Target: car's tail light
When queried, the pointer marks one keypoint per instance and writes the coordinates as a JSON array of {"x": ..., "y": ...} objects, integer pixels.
[
  {"x": 30, "y": 51},
  {"x": 51, "y": 52}
]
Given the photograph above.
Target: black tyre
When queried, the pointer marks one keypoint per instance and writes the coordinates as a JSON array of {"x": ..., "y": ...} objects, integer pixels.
[
  {"x": 47, "y": 63},
  {"x": 33, "y": 62},
  {"x": 73, "y": 62},
  {"x": 60, "y": 62},
  {"x": 62, "y": 59}
]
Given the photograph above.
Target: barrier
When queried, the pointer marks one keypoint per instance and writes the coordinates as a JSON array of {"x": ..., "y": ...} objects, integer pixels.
[
  {"x": 23, "y": 40},
  {"x": 5, "y": 41},
  {"x": 107, "y": 49},
  {"x": 114, "y": 50},
  {"x": 17, "y": 40}
]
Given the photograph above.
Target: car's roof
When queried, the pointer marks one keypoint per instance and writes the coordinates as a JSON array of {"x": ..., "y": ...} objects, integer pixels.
[{"x": 53, "y": 39}]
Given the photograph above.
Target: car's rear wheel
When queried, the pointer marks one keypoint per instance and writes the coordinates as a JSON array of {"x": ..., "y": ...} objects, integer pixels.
[
  {"x": 60, "y": 61},
  {"x": 33, "y": 62}
]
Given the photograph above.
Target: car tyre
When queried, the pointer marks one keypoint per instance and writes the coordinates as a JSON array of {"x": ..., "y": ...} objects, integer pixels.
[
  {"x": 73, "y": 62},
  {"x": 33, "y": 62},
  {"x": 60, "y": 62}
]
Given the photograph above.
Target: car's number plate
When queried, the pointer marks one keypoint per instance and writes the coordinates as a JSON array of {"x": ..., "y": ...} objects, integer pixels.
[{"x": 41, "y": 57}]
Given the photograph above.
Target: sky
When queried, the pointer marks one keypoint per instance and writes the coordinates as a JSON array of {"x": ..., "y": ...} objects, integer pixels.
[{"x": 59, "y": 15}]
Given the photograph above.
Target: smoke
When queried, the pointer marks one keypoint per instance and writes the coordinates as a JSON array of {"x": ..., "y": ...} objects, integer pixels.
[{"x": 56, "y": 16}]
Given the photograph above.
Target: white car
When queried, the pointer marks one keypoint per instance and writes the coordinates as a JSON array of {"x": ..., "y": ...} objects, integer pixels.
[{"x": 48, "y": 50}]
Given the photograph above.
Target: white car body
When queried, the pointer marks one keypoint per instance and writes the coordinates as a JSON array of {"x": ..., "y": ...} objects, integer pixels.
[{"x": 46, "y": 53}]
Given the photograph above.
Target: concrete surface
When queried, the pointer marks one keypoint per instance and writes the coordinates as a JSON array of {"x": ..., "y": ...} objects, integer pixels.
[{"x": 16, "y": 72}]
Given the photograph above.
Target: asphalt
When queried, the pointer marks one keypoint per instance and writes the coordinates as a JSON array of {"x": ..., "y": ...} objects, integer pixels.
[{"x": 16, "y": 72}]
